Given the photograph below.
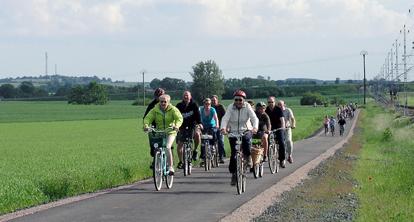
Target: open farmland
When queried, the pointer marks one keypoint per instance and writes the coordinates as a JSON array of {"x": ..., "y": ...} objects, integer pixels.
[{"x": 52, "y": 150}]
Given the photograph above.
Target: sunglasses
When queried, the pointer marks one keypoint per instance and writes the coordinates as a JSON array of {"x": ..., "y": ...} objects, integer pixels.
[
  {"x": 163, "y": 101},
  {"x": 269, "y": 101},
  {"x": 238, "y": 100},
  {"x": 207, "y": 104}
]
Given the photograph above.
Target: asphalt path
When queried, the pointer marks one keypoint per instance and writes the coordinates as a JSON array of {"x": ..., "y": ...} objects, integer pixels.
[{"x": 202, "y": 196}]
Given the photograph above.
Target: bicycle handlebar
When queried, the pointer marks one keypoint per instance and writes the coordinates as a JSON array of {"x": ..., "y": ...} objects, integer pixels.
[
  {"x": 152, "y": 129},
  {"x": 236, "y": 135}
]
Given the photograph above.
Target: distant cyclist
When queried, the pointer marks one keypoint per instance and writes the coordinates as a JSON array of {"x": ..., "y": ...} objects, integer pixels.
[
  {"x": 326, "y": 124},
  {"x": 210, "y": 123},
  {"x": 341, "y": 123},
  {"x": 165, "y": 115},
  {"x": 192, "y": 122},
  {"x": 264, "y": 127},
  {"x": 220, "y": 138},
  {"x": 239, "y": 118},
  {"x": 332, "y": 123}
]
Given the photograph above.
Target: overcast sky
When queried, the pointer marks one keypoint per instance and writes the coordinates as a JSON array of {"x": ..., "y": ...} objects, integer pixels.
[{"x": 277, "y": 38}]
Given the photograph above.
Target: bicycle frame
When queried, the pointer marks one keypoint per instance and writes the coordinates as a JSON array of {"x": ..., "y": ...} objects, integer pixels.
[{"x": 241, "y": 165}]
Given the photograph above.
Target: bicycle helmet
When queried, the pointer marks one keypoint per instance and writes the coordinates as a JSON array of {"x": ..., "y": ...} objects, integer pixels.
[
  {"x": 260, "y": 104},
  {"x": 158, "y": 92},
  {"x": 240, "y": 93}
]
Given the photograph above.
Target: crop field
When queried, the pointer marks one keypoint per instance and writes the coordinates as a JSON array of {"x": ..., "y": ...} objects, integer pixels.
[{"x": 52, "y": 150}]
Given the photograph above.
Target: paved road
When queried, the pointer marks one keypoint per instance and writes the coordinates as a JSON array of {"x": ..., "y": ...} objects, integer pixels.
[{"x": 203, "y": 196}]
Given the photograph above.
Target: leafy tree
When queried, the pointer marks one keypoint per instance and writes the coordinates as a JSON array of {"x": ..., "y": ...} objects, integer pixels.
[
  {"x": 171, "y": 84},
  {"x": 27, "y": 89},
  {"x": 93, "y": 93},
  {"x": 155, "y": 83},
  {"x": 8, "y": 91},
  {"x": 207, "y": 80}
]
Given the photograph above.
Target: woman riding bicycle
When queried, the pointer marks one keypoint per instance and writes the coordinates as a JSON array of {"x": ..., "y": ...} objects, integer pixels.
[
  {"x": 165, "y": 116},
  {"x": 209, "y": 121},
  {"x": 264, "y": 127},
  {"x": 239, "y": 118}
]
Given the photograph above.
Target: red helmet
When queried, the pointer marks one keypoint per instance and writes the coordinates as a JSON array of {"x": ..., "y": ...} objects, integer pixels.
[
  {"x": 158, "y": 92},
  {"x": 240, "y": 93}
]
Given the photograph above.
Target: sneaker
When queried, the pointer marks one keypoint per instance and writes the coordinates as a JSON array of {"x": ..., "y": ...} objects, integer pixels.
[
  {"x": 233, "y": 180},
  {"x": 221, "y": 161},
  {"x": 264, "y": 159},
  {"x": 171, "y": 171},
  {"x": 195, "y": 155},
  {"x": 283, "y": 164},
  {"x": 290, "y": 160},
  {"x": 180, "y": 165},
  {"x": 202, "y": 164}
]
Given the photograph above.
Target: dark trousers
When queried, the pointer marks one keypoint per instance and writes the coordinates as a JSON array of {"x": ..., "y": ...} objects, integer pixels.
[
  {"x": 280, "y": 138},
  {"x": 220, "y": 144},
  {"x": 246, "y": 145}
]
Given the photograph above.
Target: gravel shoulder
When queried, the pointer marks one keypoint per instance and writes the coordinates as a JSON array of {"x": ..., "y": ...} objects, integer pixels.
[{"x": 327, "y": 195}]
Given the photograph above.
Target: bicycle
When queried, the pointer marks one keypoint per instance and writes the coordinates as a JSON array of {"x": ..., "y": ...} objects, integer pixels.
[
  {"x": 273, "y": 152},
  {"x": 341, "y": 130},
  {"x": 332, "y": 130},
  {"x": 241, "y": 162},
  {"x": 257, "y": 158},
  {"x": 187, "y": 151},
  {"x": 158, "y": 140},
  {"x": 210, "y": 151}
]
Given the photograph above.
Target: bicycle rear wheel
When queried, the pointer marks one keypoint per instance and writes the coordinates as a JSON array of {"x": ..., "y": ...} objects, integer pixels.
[
  {"x": 239, "y": 173},
  {"x": 207, "y": 158},
  {"x": 185, "y": 160},
  {"x": 157, "y": 171}
]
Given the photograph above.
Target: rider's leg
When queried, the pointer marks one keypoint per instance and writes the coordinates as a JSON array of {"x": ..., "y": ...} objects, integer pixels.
[
  {"x": 170, "y": 141},
  {"x": 197, "y": 138},
  {"x": 265, "y": 143},
  {"x": 246, "y": 146},
  {"x": 281, "y": 141},
  {"x": 289, "y": 142},
  {"x": 220, "y": 143},
  {"x": 232, "y": 164},
  {"x": 180, "y": 145}
]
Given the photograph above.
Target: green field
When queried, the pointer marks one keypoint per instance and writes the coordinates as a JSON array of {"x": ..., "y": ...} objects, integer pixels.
[
  {"x": 385, "y": 168},
  {"x": 51, "y": 150}
]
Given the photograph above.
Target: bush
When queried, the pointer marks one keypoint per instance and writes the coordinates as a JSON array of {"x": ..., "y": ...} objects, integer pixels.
[
  {"x": 312, "y": 98},
  {"x": 387, "y": 134}
]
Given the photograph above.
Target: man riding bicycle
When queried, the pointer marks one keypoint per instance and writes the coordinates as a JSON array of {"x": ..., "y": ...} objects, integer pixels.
[
  {"x": 165, "y": 115},
  {"x": 239, "y": 118},
  {"x": 192, "y": 122},
  {"x": 210, "y": 123},
  {"x": 277, "y": 121},
  {"x": 290, "y": 123},
  {"x": 220, "y": 138}
]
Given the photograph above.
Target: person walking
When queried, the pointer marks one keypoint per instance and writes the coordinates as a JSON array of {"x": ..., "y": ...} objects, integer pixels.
[
  {"x": 290, "y": 123},
  {"x": 220, "y": 138}
]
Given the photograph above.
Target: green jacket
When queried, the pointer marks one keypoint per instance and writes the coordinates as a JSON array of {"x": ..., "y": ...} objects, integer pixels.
[{"x": 163, "y": 120}]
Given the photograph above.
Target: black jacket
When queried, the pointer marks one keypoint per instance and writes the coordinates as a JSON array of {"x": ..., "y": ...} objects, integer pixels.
[{"x": 191, "y": 114}]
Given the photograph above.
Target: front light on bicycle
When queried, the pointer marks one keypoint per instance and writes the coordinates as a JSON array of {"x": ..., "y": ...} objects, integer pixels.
[{"x": 155, "y": 145}]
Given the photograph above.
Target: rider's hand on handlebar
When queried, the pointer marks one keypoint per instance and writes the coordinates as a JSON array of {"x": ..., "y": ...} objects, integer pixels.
[
  {"x": 146, "y": 128},
  {"x": 223, "y": 131},
  {"x": 254, "y": 131}
]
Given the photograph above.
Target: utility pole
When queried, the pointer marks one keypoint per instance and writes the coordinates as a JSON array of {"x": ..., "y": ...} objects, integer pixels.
[
  {"x": 55, "y": 69},
  {"x": 396, "y": 61},
  {"x": 405, "y": 70},
  {"x": 364, "y": 53}
]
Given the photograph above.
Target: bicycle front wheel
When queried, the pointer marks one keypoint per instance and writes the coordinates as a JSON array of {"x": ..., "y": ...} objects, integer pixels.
[
  {"x": 169, "y": 179},
  {"x": 157, "y": 171},
  {"x": 272, "y": 156},
  {"x": 239, "y": 173},
  {"x": 185, "y": 160}
]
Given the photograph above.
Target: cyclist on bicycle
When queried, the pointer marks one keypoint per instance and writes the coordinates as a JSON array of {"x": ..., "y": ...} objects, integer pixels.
[
  {"x": 192, "y": 122},
  {"x": 220, "y": 138},
  {"x": 157, "y": 93},
  {"x": 165, "y": 115},
  {"x": 342, "y": 123},
  {"x": 210, "y": 123},
  {"x": 332, "y": 123},
  {"x": 264, "y": 127},
  {"x": 277, "y": 121},
  {"x": 290, "y": 123},
  {"x": 326, "y": 124},
  {"x": 239, "y": 118}
]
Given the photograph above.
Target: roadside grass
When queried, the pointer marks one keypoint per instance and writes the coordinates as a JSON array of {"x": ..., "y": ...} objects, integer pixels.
[
  {"x": 384, "y": 170},
  {"x": 45, "y": 157}
]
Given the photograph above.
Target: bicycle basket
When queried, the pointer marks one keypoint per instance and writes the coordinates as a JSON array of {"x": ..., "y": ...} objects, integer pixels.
[
  {"x": 158, "y": 138},
  {"x": 256, "y": 153}
]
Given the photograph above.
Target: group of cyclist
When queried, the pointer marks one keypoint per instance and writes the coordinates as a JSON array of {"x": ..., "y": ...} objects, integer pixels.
[
  {"x": 188, "y": 119},
  {"x": 343, "y": 112}
]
